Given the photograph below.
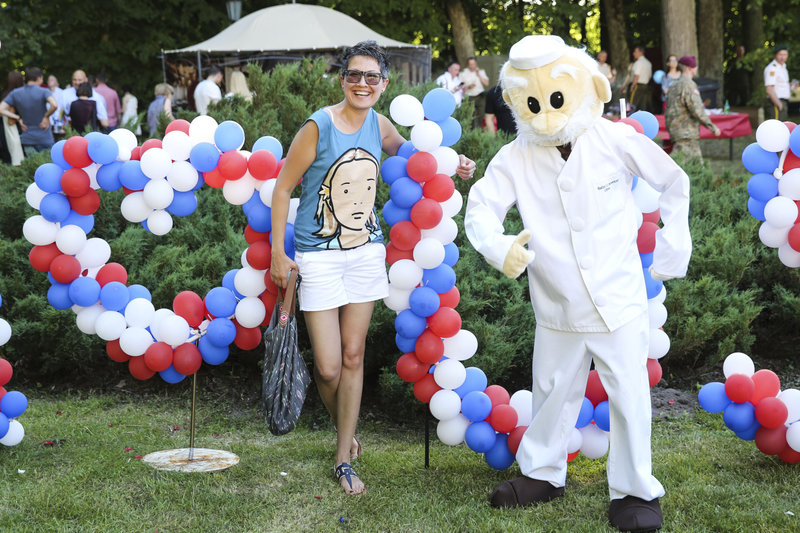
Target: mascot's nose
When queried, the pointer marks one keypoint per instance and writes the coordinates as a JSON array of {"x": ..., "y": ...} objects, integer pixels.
[{"x": 549, "y": 122}]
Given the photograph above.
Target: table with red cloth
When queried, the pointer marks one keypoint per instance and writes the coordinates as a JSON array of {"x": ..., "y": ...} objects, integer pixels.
[{"x": 731, "y": 126}]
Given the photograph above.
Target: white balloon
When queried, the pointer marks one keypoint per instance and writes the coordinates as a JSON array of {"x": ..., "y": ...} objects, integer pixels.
[
  {"x": 657, "y": 314},
  {"x": 177, "y": 145},
  {"x": 110, "y": 325},
  {"x": 182, "y": 175},
  {"x": 659, "y": 344},
  {"x": 174, "y": 330},
  {"x": 449, "y": 374},
  {"x": 445, "y": 231},
  {"x": 426, "y": 136},
  {"x": 773, "y": 237},
  {"x": 95, "y": 253},
  {"x": 595, "y": 442},
  {"x": 398, "y": 299},
  {"x": 639, "y": 218},
  {"x": 738, "y": 363},
  {"x": 87, "y": 317},
  {"x": 250, "y": 312},
  {"x": 202, "y": 129},
  {"x": 14, "y": 435},
  {"x": 134, "y": 208},
  {"x": 575, "y": 441},
  {"x": 266, "y": 192},
  {"x": 451, "y": 432},
  {"x": 294, "y": 204},
  {"x": 91, "y": 171},
  {"x": 645, "y": 196},
  {"x": 452, "y": 206},
  {"x": 406, "y": 110},
  {"x": 660, "y": 297},
  {"x": 5, "y": 331},
  {"x": 39, "y": 231},
  {"x": 793, "y": 437},
  {"x": 124, "y": 154},
  {"x": 791, "y": 399},
  {"x": 789, "y": 256},
  {"x": 780, "y": 212},
  {"x": 126, "y": 140},
  {"x": 243, "y": 259},
  {"x": 429, "y": 253},
  {"x": 789, "y": 184},
  {"x": 155, "y": 322},
  {"x": 70, "y": 239},
  {"x": 404, "y": 274},
  {"x": 135, "y": 341},
  {"x": 34, "y": 195},
  {"x": 159, "y": 222},
  {"x": 460, "y": 346},
  {"x": 445, "y": 404},
  {"x": 158, "y": 193},
  {"x": 773, "y": 135},
  {"x": 139, "y": 313},
  {"x": 237, "y": 192},
  {"x": 446, "y": 160},
  {"x": 522, "y": 402},
  {"x": 249, "y": 281}
]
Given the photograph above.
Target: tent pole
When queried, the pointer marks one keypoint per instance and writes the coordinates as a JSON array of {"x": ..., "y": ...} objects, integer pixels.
[
  {"x": 199, "y": 67},
  {"x": 163, "y": 66}
]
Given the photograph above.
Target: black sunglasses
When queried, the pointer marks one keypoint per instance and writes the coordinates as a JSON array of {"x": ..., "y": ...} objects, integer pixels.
[{"x": 354, "y": 76}]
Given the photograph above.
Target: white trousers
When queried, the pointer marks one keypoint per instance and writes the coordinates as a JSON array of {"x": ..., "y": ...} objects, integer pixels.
[{"x": 561, "y": 362}]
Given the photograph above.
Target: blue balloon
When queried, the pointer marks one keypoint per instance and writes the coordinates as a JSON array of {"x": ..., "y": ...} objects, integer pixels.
[
  {"x": 409, "y": 325},
  {"x": 653, "y": 287},
  {"x": 634, "y": 182},
  {"x": 441, "y": 279},
  {"x": 658, "y": 76},
  {"x": 114, "y": 296},
  {"x": 438, "y": 104},
  {"x": 475, "y": 381},
  {"x": 586, "y": 414},
  {"x": 204, "y": 157},
  {"x": 131, "y": 176},
  {"x": 451, "y": 254},
  {"x": 794, "y": 141},
  {"x": 183, "y": 204},
  {"x": 200, "y": 182},
  {"x": 58, "y": 296},
  {"x": 757, "y": 160},
  {"x": 228, "y": 136},
  {"x": 392, "y": 213},
  {"x": 140, "y": 291},
  {"x": 407, "y": 149},
  {"x": 476, "y": 406},
  {"x": 213, "y": 355},
  {"x": 712, "y": 397},
  {"x": 48, "y": 177},
  {"x": 57, "y": 155},
  {"x": 405, "y": 344},
  {"x": 102, "y": 148},
  {"x": 392, "y": 168},
  {"x": 269, "y": 143},
  {"x": 4, "y": 424},
  {"x": 227, "y": 282},
  {"x": 221, "y": 332},
  {"x": 108, "y": 176},
  {"x": 288, "y": 241},
  {"x": 55, "y": 207},
  {"x": 92, "y": 135},
  {"x": 405, "y": 192},
  {"x": 749, "y": 433},
  {"x": 260, "y": 218},
  {"x": 601, "y": 416},
  {"x": 85, "y": 222},
  {"x": 756, "y": 209},
  {"x": 500, "y": 457},
  {"x": 13, "y": 403},
  {"x": 480, "y": 437},
  {"x": 221, "y": 302},
  {"x": 255, "y": 199},
  {"x": 648, "y": 121},
  {"x": 739, "y": 416},
  {"x": 171, "y": 375},
  {"x": 424, "y": 301},
  {"x": 1, "y": 300},
  {"x": 451, "y": 131},
  {"x": 762, "y": 187},
  {"x": 84, "y": 291},
  {"x": 647, "y": 260}
]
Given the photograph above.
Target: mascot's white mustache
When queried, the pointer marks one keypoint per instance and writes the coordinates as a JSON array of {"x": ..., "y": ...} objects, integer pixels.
[{"x": 564, "y": 133}]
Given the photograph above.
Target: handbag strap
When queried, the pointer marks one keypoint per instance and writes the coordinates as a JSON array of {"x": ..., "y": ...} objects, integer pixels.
[{"x": 288, "y": 304}]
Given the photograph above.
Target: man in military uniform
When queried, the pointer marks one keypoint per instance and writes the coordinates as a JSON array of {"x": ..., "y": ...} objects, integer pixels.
[
  {"x": 776, "y": 81},
  {"x": 685, "y": 111}
]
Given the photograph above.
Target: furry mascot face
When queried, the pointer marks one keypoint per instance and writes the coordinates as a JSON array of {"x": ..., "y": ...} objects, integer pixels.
[{"x": 555, "y": 91}]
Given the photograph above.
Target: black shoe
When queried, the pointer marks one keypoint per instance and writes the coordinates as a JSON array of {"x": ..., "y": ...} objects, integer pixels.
[
  {"x": 635, "y": 514},
  {"x": 523, "y": 491}
]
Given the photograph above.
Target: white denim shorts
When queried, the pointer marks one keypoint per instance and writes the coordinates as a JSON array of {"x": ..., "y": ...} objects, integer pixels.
[{"x": 333, "y": 278}]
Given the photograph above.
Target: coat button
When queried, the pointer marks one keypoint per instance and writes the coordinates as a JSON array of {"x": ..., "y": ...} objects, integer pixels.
[
  {"x": 600, "y": 301},
  {"x": 587, "y": 263},
  {"x": 578, "y": 224},
  {"x": 566, "y": 185}
]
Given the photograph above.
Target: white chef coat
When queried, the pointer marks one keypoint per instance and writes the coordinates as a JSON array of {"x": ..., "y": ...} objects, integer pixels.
[{"x": 586, "y": 275}]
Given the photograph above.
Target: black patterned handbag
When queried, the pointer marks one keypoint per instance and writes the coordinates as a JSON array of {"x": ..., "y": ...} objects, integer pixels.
[{"x": 286, "y": 377}]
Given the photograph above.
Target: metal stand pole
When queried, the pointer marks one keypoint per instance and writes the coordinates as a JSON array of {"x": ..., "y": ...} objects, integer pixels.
[
  {"x": 427, "y": 440},
  {"x": 191, "y": 421}
]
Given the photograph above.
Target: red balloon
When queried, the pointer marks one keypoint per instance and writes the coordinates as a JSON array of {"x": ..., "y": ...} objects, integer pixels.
[
  {"x": 247, "y": 338},
  {"x": 150, "y": 143},
  {"x": 40, "y": 257},
  {"x": 429, "y": 348},
  {"x": 262, "y": 164},
  {"x": 445, "y": 322},
  {"x": 187, "y": 359},
  {"x": 3, "y": 392},
  {"x": 272, "y": 288},
  {"x": 789, "y": 455},
  {"x": 425, "y": 388},
  {"x": 158, "y": 356},
  {"x": 739, "y": 388},
  {"x": 139, "y": 369},
  {"x": 791, "y": 162},
  {"x": 771, "y": 412},
  {"x": 75, "y": 182},
  {"x": 190, "y": 306},
  {"x": 573, "y": 455},
  {"x": 421, "y": 166},
  {"x": 767, "y": 384},
  {"x": 269, "y": 299},
  {"x": 178, "y": 125},
  {"x": 76, "y": 152},
  {"x": 65, "y": 268},
  {"x": 114, "y": 351},
  {"x": 789, "y": 124},
  {"x": 594, "y": 389},
  {"x": 136, "y": 153},
  {"x": 111, "y": 272},
  {"x": 87, "y": 204},
  {"x": 232, "y": 165},
  {"x": 503, "y": 418},
  {"x": 278, "y": 169},
  {"x": 410, "y": 369},
  {"x": 259, "y": 255},
  {"x": 771, "y": 441},
  {"x": 6, "y": 371},
  {"x": 439, "y": 188},
  {"x": 515, "y": 437},
  {"x": 653, "y": 217},
  {"x": 654, "y": 371},
  {"x": 426, "y": 213},
  {"x": 252, "y": 236},
  {"x": 405, "y": 235},
  {"x": 646, "y": 240},
  {"x": 214, "y": 178},
  {"x": 499, "y": 395},
  {"x": 633, "y": 122},
  {"x": 394, "y": 254},
  {"x": 450, "y": 298}
]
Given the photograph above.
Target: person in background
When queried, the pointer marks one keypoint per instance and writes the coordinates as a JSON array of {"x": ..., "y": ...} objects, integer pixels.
[
  {"x": 11, "y": 151},
  {"x": 607, "y": 70},
  {"x": 130, "y": 111},
  {"x": 113, "y": 107},
  {"x": 70, "y": 95},
  {"x": 83, "y": 111},
  {"x": 32, "y": 112},
  {"x": 497, "y": 109},
  {"x": 776, "y": 82},
  {"x": 239, "y": 86},
  {"x": 637, "y": 80},
  {"x": 450, "y": 81},
  {"x": 57, "y": 119},
  {"x": 671, "y": 75},
  {"x": 207, "y": 91},
  {"x": 475, "y": 82},
  {"x": 685, "y": 111},
  {"x": 162, "y": 104}
]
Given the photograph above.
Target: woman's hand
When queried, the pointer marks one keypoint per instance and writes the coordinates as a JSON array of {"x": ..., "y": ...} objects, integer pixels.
[
  {"x": 466, "y": 167},
  {"x": 279, "y": 269}
]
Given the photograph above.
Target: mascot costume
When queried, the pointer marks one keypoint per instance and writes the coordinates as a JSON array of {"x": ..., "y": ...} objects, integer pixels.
[{"x": 570, "y": 173}]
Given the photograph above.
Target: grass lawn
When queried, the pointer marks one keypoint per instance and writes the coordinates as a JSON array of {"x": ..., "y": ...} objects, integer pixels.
[{"x": 87, "y": 481}]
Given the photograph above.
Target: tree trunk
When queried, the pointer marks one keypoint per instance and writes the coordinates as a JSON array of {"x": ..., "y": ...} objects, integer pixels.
[
  {"x": 618, "y": 51},
  {"x": 754, "y": 41},
  {"x": 680, "y": 30},
  {"x": 462, "y": 31},
  {"x": 710, "y": 43}
]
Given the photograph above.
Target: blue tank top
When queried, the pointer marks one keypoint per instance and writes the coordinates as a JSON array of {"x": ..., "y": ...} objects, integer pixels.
[{"x": 337, "y": 202}]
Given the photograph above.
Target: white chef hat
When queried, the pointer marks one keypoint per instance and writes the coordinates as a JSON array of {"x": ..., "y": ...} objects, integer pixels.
[{"x": 535, "y": 51}]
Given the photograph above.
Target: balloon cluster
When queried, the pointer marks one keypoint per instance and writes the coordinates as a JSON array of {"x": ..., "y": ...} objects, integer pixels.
[
  {"x": 774, "y": 188},
  {"x": 12, "y": 403},
  {"x": 755, "y": 408},
  {"x": 160, "y": 179}
]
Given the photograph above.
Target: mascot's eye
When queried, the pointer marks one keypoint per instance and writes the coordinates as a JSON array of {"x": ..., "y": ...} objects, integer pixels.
[
  {"x": 556, "y": 100},
  {"x": 533, "y": 105}
]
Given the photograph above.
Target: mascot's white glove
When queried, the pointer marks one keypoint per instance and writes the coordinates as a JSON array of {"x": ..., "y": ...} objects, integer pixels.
[
  {"x": 518, "y": 257},
  {"x": 659, "y": 277}
]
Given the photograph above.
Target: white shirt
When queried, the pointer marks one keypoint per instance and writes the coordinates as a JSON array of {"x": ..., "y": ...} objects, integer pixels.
[
  {"x": 778, "y": 75},
  {"x": 68, "y": 96},
  {"x": 206, "y": 92},
  {"x": 643, "y": 68},
  {"x": 587, "y": 274},
  {"x": 473, "y": 78},
  {"x": 450, "y": 83}
]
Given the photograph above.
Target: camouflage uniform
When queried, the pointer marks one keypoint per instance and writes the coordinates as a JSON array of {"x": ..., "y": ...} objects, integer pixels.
[{"x": 685, "y": 112}]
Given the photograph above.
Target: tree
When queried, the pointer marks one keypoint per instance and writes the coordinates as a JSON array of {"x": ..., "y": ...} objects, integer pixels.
[
  {"x": 679, "y": 30},
  {"x": 462, "y": 30},
  {"x": 710, "y": 41},
  {"x": 618, "y": 51}
]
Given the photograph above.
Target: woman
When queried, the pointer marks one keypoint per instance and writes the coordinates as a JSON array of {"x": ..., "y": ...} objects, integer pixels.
[
  {"x": 340, "y": 252},
  {"x": 10, "y": 145},
  {"x": 162, "y": 104},
  {"x": 83, "y": 111},
  {"x": 672, "y": 74},
  {"x": 238, "y": 85},
  {"x": 130, "y": 111}
]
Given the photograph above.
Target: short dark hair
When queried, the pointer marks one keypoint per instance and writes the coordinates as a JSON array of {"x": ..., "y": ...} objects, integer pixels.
[
  {"x": 453, "y": 62},
  {"x": 33, "y": 74},
  {"x": 470, "y": 58},
  {"x": 126, "y": 88},
  {"x": 84, "y": 89},
  {"x": 101, "y": 77},
  {"x": 368, "y": 49},
  {"x": 213, "y": 70},
  {"x": 640, "y": 48}
]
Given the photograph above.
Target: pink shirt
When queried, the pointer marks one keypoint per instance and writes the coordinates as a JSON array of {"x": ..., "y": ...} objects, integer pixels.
[{"x": 113, "y": 106}]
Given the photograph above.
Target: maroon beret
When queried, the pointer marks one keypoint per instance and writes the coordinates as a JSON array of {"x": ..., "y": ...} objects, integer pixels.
[{"x": 689, "y": 61}]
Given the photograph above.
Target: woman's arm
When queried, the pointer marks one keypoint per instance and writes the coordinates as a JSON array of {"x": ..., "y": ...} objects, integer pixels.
[{"x": 391, "y": 140}]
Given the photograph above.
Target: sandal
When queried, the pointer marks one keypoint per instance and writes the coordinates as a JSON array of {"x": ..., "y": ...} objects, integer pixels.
[
  {"x": 344, "y": 470},
  {"x": 358, "y": 450}
]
